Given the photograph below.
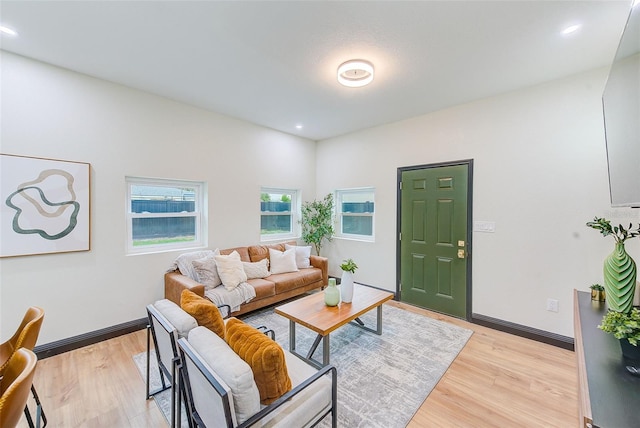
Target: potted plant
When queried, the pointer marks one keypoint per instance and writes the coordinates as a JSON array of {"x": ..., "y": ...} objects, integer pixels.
[
  {"x": 348, "y": 267},
  {"x": 626, "y": 328},
  {"x": 317, "y": 222},
  {"x": 619, "y": 268},
  {"x": 597, "y": 293}
]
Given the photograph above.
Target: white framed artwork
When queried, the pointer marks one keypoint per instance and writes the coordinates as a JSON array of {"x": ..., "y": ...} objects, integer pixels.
[{"x": 44, "y": 206}]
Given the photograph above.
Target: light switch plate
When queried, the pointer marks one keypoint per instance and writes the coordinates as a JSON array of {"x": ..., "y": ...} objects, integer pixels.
[{"x": 484, "y": 226}]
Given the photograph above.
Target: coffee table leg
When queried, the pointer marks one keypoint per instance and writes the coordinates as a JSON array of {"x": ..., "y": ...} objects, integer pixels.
[
  {"x": 292, "y": 335},
  {"x": 378, "y": 330},
  {"x": 313, "y": 348},
  {"x": 325, "y": 350}
]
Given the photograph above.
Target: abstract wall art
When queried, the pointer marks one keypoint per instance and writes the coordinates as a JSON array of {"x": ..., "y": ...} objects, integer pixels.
[{"x": 44, "y": 206}]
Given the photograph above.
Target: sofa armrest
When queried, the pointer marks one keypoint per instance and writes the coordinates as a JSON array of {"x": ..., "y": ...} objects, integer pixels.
[
  {"x": 321, "y": 263},
  {"x": 175, "y": 282}
]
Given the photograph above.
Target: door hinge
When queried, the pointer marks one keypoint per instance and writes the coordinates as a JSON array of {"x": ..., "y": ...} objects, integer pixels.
[
  {"x": 400, "y": 236},
  {"x": 401, "y": 185}
]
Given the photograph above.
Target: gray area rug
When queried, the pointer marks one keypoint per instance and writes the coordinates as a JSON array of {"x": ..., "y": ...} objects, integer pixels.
[{"x": 382, "y": 380}]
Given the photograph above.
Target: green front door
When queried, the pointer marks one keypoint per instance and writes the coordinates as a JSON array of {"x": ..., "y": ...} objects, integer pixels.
[{"x": 434, "y": 238}]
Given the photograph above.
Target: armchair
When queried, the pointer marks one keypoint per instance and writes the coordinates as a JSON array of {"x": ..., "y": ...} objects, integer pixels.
[{"x": 217, "y": 394}]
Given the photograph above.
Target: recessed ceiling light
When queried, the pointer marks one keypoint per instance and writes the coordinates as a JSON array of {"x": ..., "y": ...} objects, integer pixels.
[
  {"x": 355, "y": 73},
  {"x": 298, "y": 126},
  {"x": 7, "y": 30},
  {"x": 571, "y": 29}
]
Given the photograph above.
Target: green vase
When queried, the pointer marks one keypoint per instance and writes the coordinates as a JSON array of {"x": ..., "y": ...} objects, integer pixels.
[
  {"x": 620, "y": 279},
  {"x": 331, "y": 293}
]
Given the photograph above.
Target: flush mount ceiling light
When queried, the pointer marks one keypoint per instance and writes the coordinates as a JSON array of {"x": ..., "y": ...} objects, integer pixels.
[
  {"x": 7, "y": 30},
  {"x": 355, "y": 73},
  {"x": 571, "y": 29}
]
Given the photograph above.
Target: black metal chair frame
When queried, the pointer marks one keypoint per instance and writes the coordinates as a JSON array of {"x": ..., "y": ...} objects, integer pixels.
[
  {"x": 169, "y": 373},
  {"x": 187, "y": 351},
  {"x": 39, "y": 412}
]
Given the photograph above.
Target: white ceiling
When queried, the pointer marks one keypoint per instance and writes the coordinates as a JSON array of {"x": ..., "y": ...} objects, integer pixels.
[{"x": 274, "y": 63}]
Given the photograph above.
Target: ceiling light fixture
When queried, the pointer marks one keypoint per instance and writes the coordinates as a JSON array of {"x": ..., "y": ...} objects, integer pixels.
[
  {"x": 355, "y": 73},
  {"x": 571, "y": 29},
  {"x": 299, "y": 126},
  {"x": 7, "y": 30}
]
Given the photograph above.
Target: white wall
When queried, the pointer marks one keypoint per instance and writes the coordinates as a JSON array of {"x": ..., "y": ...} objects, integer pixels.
[
  {"x": 540, "y": 172},
  {"x": 53, "y": 113}
]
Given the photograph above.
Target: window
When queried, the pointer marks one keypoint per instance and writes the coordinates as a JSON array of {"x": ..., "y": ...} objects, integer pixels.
[
  {"x": 278, "y": 213},
  {"x": 164, "y": 214},
  {"x": 355, "y": 210}
]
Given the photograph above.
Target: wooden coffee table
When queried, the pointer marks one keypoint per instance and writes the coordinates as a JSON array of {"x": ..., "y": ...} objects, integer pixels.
[{"x": 311, "y": 312}]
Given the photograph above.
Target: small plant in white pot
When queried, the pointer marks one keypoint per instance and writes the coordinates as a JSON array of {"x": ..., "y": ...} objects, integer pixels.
[{"x": 348, "y": 267}]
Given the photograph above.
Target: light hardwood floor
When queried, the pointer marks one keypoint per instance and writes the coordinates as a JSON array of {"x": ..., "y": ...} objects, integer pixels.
[{"x": 497, "y": 380}]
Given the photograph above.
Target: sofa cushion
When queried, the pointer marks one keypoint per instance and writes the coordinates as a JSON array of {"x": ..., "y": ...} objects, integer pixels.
[
  {"x": 230, "y": 270},
  {"x": 182, "y": 321},
  {"x": 260, "y": 252},
  {"x": 302, "y": 255},
  {"x": 263, "y": 287},
  {"x": 290, "y": 281},
  {"x": 230, "y": 368},
  {"x": 256, "y": 269},
  {"x": 282, "y": 261},
  {"x": 243, "y": 251},
  {"x": 264, "y": 356},
  {"x": 204, "y": 311},
  {"x": 207, "y": 270}
]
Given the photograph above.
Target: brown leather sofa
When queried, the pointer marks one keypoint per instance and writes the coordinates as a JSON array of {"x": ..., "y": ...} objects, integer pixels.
[{"x": 269, "y": 290}]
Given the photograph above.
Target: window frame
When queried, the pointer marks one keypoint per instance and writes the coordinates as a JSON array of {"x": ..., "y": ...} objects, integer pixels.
[
  {"x": 294, "y": 214},
  {"x": 199, "y": 214},
  {"x": 339, "y": 196}
]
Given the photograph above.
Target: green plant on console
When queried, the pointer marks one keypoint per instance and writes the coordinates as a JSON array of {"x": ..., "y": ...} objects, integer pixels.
[
  {"x": 619, "y": 268},
  {"x": 596, "y": 287},
  {"x": 317, "y": 222},
  {"x": 349, "y": 265},
  {"x": 620, "y": 234},
  {"x": 622, "y": 326}
]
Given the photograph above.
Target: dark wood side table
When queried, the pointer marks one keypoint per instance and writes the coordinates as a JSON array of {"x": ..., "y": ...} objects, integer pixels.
[{"x": 609, "y": 396}]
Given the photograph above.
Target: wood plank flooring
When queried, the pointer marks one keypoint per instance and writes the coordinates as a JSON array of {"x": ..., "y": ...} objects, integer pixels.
[{"x": 497, "y": 380}]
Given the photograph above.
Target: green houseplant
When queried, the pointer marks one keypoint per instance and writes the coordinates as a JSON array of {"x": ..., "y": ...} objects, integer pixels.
[
  {"x": 317, "y": 222},
  {"x": 597, "y": 292},
  {"x": 622, "y": 326},
  {"x": 348, "y": 267},
  {"x": 626, "y": 328},
  {"x": 619, "y": 268}
]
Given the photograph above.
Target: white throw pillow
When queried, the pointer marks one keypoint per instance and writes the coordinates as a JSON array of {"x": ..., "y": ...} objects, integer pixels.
[
  {"x": 283, "y": 262},
  {"x": 257, "y": 269},
  {"x": 185, "y": 265},
  {"x": 208, "y": 271},
  {"x": 302, "y": 255},
  {"x": 230, "y": 270}
]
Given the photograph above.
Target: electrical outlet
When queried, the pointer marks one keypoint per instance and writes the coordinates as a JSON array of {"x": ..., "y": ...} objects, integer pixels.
[{"x": 552, "y": 305}]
